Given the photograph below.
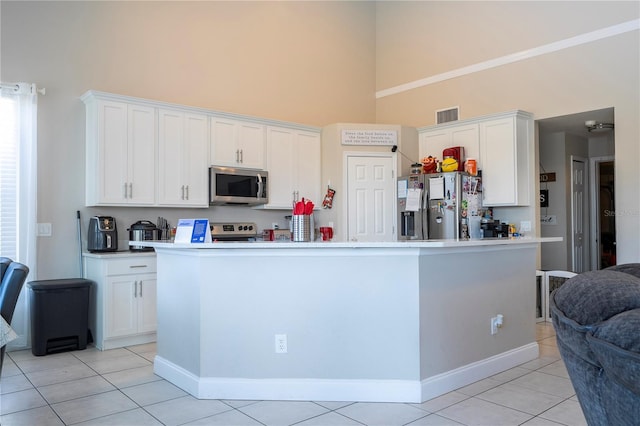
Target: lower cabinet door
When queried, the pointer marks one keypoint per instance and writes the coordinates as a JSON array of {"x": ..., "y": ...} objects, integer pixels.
[
  {"x": 121, "y": 306},
  {"x": 147, "y": 306}
]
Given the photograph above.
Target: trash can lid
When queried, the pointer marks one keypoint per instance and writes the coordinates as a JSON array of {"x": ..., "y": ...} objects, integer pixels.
[{"x": 59, "y": 284}]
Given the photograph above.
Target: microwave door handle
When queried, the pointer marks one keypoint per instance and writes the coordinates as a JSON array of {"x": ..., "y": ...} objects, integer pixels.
[{"x": 260, "y": 184}]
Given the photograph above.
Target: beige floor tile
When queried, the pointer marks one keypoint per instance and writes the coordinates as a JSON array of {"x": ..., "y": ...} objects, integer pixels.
[
  {"x": 136, "y": 417},
  {"x": 283, "y": 412},
  {"x": 9, "y": 368},
  {"x": 93, "y": 407},
  {"x": 557, "y": 369},
  {"x": 16, "y": 383},
  {"x": 111, "y": 365},
  {"x": 93, "y": 354},
  {"x": 475, "y": 411},
  {"x": 479, "y": 386},
  {"x": 48, "y": 362},
  {"x": 153, "y": 392},
  {"x": 67, "y": 391},
  {"x": 520, "y": 398},
  {"x": 186, "y": 409},
  {"x": 383, "y": 414},
  {"x": 228, "y": 418},
  {"x": 21, "y": 400},
  {"x": 41, "y": 416},
  {"x": 59, "y": 375},
  {"x": 566, "y": 413},
  {"x": 146, "y": 347},
  {"x": 539, "y": 421},
  {"x": 434, "y": 420},
  {"x": 333, "y": 405},
  {"x": 441, "y": 402},
  {"x": 132, "y": 377},
  {"x": 329, "y": 419},
  {"x": 547, "y": 383}
]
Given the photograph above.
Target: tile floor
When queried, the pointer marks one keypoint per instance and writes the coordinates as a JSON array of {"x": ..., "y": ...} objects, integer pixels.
[{"x": 118, "y": 387}]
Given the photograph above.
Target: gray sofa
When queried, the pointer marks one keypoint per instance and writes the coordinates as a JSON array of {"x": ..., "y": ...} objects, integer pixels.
[{"x": 596, "y": 316}]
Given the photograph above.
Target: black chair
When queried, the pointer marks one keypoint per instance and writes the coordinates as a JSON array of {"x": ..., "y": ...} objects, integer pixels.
[
  {"x": 4, "y": 264},
  {"x": 12, "y": 281}
]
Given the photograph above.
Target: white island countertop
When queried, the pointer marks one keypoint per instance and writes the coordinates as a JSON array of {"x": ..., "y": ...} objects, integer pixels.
[{"x": 349, "y": 244}]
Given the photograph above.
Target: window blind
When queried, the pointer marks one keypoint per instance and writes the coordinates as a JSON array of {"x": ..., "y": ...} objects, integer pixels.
[{"x": 9, "y": 172}]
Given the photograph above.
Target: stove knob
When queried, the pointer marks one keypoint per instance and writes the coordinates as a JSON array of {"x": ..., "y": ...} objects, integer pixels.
[{"x": 250, "y": 227}]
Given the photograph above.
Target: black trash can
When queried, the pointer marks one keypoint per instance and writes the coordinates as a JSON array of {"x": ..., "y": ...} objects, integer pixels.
[{"x": 59, "y": 315}]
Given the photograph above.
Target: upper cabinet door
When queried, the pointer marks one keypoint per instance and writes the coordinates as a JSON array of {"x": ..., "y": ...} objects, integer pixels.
[
  {"x": 293, "y": 162},
  {"x": 504, "y": 149},
  {"x": 434, "y": 142},
  {"x": 183, "y": 145},
  {"x": 142, "y": 155},
  {"x": 237, "y": 143},
  {"x": 120, "y": 154}
]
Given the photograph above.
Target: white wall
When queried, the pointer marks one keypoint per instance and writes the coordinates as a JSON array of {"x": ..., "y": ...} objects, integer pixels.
[
  {"x": 420, "y": 40},
  {"x": 306, "y": 62}
]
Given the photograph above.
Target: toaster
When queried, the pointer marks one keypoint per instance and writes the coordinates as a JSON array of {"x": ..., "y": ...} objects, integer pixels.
[{"x": 102, "y": 235}]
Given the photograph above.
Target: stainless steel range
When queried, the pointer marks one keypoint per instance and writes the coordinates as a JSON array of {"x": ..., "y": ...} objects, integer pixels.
[{"x": 234, "y": 231}]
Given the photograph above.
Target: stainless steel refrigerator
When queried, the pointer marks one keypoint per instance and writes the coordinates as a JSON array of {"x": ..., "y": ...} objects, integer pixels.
[{"x": 439, "y": 206}]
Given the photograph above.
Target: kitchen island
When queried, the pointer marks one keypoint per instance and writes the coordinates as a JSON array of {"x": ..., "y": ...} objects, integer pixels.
[{"x": 396, "y": 322}]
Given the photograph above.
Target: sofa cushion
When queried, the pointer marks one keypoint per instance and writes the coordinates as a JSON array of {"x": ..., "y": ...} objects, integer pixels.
[
  {"x": 616, "y": 345},
  {"x": 586, "y": 304},
  {"x": 627, "y": 268}
]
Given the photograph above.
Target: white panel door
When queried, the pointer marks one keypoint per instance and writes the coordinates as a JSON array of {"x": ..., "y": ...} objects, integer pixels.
[
  {"x": 371, "y": 198},
  {"x": 578, "y": 220}
]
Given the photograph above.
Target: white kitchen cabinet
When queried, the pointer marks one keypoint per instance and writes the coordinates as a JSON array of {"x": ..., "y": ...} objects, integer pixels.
[
  {"x": 236, "y": 143},
  {"x": 183, "y": 148},
  {"x": 505, "y": 145},
  {"x": 293, "y": 163},
  {"x": 123, "y": 307},
  {"x": 433, "y": 142},
  {"x": 120, "y": 153},
  {"x": 502, "y": 146}
]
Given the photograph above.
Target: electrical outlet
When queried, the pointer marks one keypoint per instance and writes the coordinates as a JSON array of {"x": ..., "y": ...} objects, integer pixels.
[
  {"x": 525, "y": 226},
  {"x": 275, "y": 225},
  {"x": 496, "y": 323},
  {"x": 281, "y": 343}
]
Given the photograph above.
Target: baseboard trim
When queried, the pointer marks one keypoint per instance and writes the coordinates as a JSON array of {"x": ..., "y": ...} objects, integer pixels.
[{"x": 412, "y": 391}]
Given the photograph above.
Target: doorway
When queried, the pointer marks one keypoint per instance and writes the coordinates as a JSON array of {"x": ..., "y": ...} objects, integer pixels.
[
  {"x": 560, "y": 138},
  {"x": 603, "y": 252}
]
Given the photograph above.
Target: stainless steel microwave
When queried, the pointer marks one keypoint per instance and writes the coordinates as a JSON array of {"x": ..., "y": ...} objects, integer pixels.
[{"x": 231, "y": 185}]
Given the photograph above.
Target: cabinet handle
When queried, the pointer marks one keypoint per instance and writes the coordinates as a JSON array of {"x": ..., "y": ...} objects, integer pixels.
[
  {"x": 138, "y": 266},
  {"x": 182, "y": 189},
  {"x": 135, "y": 289},
  {"x": 125, "y": 190},
  {"x": 237, "y": 155},
  {"x": 130, "y": 190},
  {"x": 187, "y": 192},
  {"x": 241, "y": 156},
  {"x": 141, "y": 288}
]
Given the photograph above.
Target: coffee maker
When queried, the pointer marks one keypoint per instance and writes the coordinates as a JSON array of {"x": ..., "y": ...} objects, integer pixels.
[{"x": 102, "y": 235}]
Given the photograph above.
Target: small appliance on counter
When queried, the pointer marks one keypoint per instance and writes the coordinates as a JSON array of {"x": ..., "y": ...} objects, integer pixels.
[
  {"x": 143, "y": 230},
  {"x": 494, "y": 229},
  {"x": 102, "y": 235}
]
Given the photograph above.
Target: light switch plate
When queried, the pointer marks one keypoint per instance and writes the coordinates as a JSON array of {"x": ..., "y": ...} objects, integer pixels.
[{"x": 44, "y": 230}]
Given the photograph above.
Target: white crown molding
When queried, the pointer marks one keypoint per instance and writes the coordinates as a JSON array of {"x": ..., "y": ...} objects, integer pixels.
[{"x": 515, "y": 57}]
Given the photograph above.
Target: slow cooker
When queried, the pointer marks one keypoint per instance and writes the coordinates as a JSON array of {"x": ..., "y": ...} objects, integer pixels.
[{"x": 143, "y": 230}]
